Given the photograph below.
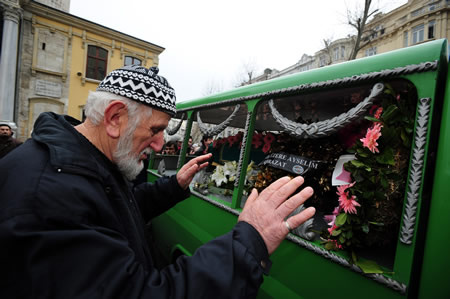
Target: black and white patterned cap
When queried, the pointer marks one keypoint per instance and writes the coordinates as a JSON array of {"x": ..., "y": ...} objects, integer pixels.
[{"x": 142, "y": 85}]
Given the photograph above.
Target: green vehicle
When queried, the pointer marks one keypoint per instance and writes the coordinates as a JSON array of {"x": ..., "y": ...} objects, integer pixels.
[{"x": 371, "y": 136}]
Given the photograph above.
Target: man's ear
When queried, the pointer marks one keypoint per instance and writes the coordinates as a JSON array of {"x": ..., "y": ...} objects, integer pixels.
[{"x": 115, "y": 119}]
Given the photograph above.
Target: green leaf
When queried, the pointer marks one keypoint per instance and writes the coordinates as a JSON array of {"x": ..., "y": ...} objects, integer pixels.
[
  {"x": 384, "y": 182},
  {"x": 336, "y": 232},
  {"x": 354, "y": 257},
  {"x": 386, "y": 157},
  {"x": 329, "y": 246},
  {"x": 389, "y": 113},
  {"x": 365, "y": 228},
  {"x": 340, "y": 219},
  {"x": 369, "y": 267},
  {"x": 377, "y": 223},
  {"x": 372, "y": 118},
  {"x": 357, "y": 163}
]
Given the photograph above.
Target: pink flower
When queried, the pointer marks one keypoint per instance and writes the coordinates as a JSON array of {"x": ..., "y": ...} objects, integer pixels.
[
  {"x": 331, "y": 218},
  {"x": 372, "y": 135},
  {"x": 378, "y": 113},
  {"x": 331, "y": 229},
  {"x": 347, "y": 203}
]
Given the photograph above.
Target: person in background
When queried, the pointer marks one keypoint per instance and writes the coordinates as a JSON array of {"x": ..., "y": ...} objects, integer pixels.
[
  {"x": 72, "y": 226},
  {"x": 170, "y": 148},
  {"x": 7, "y": 142},
  {"x": 204, "y": 147}
]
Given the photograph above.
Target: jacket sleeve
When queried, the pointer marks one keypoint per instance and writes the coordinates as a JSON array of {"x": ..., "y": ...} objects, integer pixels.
[
  {"x": 155, "y": 198},
  {"x": 88, "y": 261}
]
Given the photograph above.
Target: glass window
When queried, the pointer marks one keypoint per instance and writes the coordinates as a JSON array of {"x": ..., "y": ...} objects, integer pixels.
[
  {"x": 418, "y": 34},
  {"x": 405, "y": 39},
  {"x": 371, "y": 51},
  {"x": 431, "y": 26},
  {"x": 336, "y": 53},
  {"x": 220, "y": 131},
  {"x": 97, "y": 59},
  {"x": 342, "y": 52},
  {"x": 322, "y": 61},
  {"x": 130, "y": 60},
  {"x": 284, "y": 143}
]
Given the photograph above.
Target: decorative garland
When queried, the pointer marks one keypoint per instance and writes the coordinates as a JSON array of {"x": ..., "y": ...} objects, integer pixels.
[
  {"x": 329, "y": 126},
  {"x": 415, "y": 177},
  {"x": 175, "y": 129},
  {"x": 218, "y": 128}
]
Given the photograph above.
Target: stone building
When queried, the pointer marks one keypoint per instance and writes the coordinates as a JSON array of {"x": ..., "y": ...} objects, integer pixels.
[
  {"x": 50, "y": 60},
  {"x": 415, "y": 22}
]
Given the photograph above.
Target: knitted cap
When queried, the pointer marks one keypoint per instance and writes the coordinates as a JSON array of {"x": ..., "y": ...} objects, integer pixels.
[{"x": 142, "y": 85}]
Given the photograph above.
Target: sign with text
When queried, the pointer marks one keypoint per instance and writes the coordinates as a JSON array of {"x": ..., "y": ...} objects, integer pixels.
[{"x": 292, "y": 163}]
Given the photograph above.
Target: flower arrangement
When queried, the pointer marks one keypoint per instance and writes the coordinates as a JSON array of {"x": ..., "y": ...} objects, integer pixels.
[
  {"x": 225, "y": 175},
  {"x": 369, "y": 209}
]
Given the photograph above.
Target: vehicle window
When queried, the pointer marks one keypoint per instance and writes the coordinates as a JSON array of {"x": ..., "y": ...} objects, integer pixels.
[
  {"x": 352, "y": 146},
  {"x": 220, "y": 131}
]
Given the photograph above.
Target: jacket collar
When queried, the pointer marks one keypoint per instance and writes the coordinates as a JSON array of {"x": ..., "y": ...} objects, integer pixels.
[{"x": 69, "y": 150}]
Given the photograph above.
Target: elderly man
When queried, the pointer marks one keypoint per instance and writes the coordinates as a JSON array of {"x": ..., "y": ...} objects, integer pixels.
[
  {"x": 71, "y": 226},
  {"x": 7, "y": 142}
]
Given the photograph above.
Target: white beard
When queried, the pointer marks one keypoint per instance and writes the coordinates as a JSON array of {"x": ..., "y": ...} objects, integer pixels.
[{"x": 127, "y": 161}]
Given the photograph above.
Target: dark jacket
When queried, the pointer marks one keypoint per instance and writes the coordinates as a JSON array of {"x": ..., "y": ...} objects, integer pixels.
[
  {"x": 7, "y": 144},
  {"x": 70, "y": 227}
]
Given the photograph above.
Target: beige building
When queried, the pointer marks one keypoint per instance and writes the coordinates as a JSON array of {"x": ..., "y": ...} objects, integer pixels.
[
  {"x": 415, "y": 22},
  {"x": 50, "y": 60}
]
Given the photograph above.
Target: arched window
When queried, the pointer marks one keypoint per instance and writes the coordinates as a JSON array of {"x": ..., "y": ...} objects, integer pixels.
[
  {"x": 130, "y": 60},
  {"x": 97, "y": 60}
]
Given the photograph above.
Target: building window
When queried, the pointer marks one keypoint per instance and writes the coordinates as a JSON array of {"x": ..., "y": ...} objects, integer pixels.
[
  {"x": 129, "y": 60},
  {"x": 405, "y": 39},
  {"x": 431, "y": 29},
  {"x": 336, "y": 53},
  {"x": 371, "y": 51},
  {"x": 343, "y": 52},
  {"x": 322, "y": 61},
  {"x": 97, "y": 59},
  {"x": 418, "y": 34},
  {"x": 417, "y": 12}
]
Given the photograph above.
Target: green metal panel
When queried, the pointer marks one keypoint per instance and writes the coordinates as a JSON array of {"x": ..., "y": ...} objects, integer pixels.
[
  {"x": 300, "y": 272},
  {"x": 436, "y": 261}
]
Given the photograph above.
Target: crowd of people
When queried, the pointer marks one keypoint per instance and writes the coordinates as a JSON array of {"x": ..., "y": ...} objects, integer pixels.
[{"x": 173, "y": 146}]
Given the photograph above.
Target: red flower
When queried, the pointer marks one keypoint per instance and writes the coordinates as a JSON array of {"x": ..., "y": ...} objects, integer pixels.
[
  {"x": 231, "y": 140},
  {"x": 256, "y": 140},
  {"x": 269, "y": 138},
  {"x": 266, "y": 148}
]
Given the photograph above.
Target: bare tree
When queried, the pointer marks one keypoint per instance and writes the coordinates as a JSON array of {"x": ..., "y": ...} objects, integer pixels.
[
  {"x": 212, "y": 87},
  {"x": 358, "y": 20},
  {"x": 327, "y": 50},
  {"x": 248, "y": 73}
]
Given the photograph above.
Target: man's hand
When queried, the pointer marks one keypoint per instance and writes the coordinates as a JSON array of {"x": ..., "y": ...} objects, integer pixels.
[
  {"x": 188, "y": 171},
  {"x": 267, "y": 211}
]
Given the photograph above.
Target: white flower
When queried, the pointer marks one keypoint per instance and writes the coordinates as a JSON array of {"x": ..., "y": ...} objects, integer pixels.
[{"x": 218, "y": 176}]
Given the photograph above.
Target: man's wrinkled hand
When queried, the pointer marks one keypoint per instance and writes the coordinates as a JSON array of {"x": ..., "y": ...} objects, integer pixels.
[
  {"x": 188, "y": 171},
  {"x": 267, "y": 211}
]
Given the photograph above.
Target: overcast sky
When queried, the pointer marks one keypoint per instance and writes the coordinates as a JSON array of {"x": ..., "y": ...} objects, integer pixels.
[{"x": 207, "y": 42}]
